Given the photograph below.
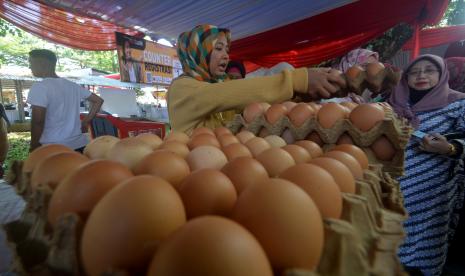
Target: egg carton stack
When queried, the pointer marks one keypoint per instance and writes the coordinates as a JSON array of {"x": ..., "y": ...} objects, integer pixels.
[
  {"x": 37, "y": 250},
  {"x": 362, "y": 242},
  {"x": 366, "y": 238},
  {"x": 395, "y": 129}
]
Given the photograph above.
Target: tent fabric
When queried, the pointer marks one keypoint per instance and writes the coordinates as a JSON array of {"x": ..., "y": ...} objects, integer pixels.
[
  {"x": 437, "y": 36},
  {"x": 169, "y": 18},
  {"x": 342, "y": 30},
  {"x": 299, "y": 32},
  {"x": 60, "y": 26}
]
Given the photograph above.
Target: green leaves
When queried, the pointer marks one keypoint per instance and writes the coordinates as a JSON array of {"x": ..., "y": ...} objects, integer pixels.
[
  {"x": 15, "y": 45},
  {"x": 19, "y": 148}
]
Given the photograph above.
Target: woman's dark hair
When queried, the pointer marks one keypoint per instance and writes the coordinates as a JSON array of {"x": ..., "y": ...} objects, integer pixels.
[
  {"x": 43, "y": 53},
  {"x": 236, "y": 64}
]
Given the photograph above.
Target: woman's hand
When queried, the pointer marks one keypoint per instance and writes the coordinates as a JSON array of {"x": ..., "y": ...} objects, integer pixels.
[
  {"x": 435, "y": 143},
  {"x": 323, "y": 82}
]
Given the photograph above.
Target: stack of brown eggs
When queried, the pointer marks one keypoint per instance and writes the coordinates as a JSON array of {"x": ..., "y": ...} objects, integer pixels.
[
  {"x": 213, "y": 203},
  {"x": 374, "y": 127}
]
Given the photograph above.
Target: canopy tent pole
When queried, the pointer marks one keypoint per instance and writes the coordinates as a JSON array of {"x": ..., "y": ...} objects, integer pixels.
[{"x": 19, "y": 99}]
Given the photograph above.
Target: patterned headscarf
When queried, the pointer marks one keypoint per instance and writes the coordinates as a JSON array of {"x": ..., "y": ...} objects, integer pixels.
[
  {"x": 356, "y": 57},
  {"x": 440, "y": 96},
  {"x": 194, "y": 49},
  {"x": 456, "y": 67}
]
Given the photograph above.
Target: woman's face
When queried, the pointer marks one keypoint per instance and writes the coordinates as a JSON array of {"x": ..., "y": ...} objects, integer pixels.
[
  {"x": 423, "y": 75},
  {"x": 219, "y": 57}
]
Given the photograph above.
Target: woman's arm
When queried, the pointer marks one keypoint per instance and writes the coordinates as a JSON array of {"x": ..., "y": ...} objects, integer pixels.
[{"x": 191, "y": 101}]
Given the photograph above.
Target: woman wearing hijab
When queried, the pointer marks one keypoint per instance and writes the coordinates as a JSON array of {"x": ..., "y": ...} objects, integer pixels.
[
  {"x": 456, "y": 66},
  {"x": 433, "y": 183},
  {"x": 359, "y": 57},
  {"x": 203, "y": 96}
]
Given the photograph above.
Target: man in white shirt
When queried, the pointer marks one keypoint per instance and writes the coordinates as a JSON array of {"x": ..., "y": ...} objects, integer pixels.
[{"x": 55, "y": 105}]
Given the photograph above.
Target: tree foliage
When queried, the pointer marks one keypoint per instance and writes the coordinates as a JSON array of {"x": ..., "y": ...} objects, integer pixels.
[
  {"x": 389, "y": 43},
  {"x": 7, "y": 28},
  {"x": 455, "y": 13},
  {"x": 15, "y": 45}
]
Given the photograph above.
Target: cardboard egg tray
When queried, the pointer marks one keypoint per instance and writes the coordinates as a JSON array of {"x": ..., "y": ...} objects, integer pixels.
[
  {"x": 363, "y": 242},
  {"x": 396, "y": 130},
  {"x": 366, "y": 238}
]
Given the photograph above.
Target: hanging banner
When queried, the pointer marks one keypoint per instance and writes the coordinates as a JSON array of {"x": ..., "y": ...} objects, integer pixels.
[{"x": 145, "y": 61}]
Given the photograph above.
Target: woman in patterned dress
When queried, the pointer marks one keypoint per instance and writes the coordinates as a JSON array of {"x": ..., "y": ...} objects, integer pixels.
[{"x": 433, "y": 183}]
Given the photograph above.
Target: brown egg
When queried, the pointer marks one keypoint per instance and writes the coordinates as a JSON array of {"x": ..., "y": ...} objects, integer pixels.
[
  {"x": 202, "y": 130},
  {"x": 151, "y": 139},
  {"x": 265, "y": 106},
  {"x": 319, "y": 185},
  {"x": 175, "y": 146},
  {"x": 285, "y": 221},
  {"x": 374, "y": 68},
  {"x": 234, "y": 151},
  {"x": 165, "y": 164},
  {"x": 340, "y": 172},
  {"x": 252, "y": 111},
  {"x": 219, "y": 131},
  {"x": 84, "y": 187},
  {"x": 275, "y": 161},
  {"x": 207, "y": 192},
  {"x": 263, "y": 132},
  {"x": 227, "y": 139},
  {"x": 210, "y": 246},
  {"x": 206, "y": 157},
  {"x": 98, "y": 148},
  {"x": 275, "y": 141},
  {"x": 354, "y": 72},
  {"x": 356, "y": 152},
  {"x": 245, "y": 171},
  {"x": 257, "y": 145},
  {"x": 383, "y": 149},
  {"x": 128, "y": 224},
  {"x": 177, "y": 136},
  {"x": 300, "y": 113},
  {"x": 345, "y": 139},
  {"x": 329, "y": 114},
  {"x": 245, "y": 136},
  {"x": 289, "y": 105},
  {"x": 366, "y": 116},
  {"x": 287, "y": 136},
  {"x": 315, "y": 106},
  {"x": 349, "y": 105},
  {"x": 298, "y": 153},
  {"x": 51, "y": 170},
  {"x": 40, "y": 154},
  {"x": 312, "y": 147},
  {"x": 348, "y": 160},
  {"x": 275, "y": 113},
  {"x": 129, "y": 151},
  {"x": 203, "y": 139},
  {"x": 315, "y": 137}
]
